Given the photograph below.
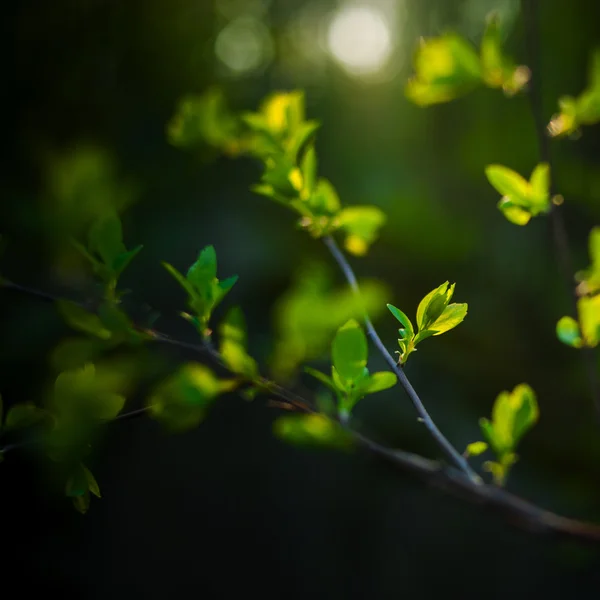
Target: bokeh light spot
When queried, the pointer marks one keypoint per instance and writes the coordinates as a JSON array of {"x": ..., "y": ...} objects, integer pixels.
[
  {"x": 359, "y": 39},
  {"x": 244, "y": 45}
]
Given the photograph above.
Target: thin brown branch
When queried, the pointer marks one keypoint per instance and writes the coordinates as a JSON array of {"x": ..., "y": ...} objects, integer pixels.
[
  {"x": 514, "y": 510},
  {"x": 559, "y": 231},
  {"x": 447, "y": 448}
]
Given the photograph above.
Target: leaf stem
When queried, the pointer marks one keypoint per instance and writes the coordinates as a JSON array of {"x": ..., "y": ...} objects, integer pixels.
[
  {"x": 447, "y": 448},
  {"x": 513, "y": 509}
]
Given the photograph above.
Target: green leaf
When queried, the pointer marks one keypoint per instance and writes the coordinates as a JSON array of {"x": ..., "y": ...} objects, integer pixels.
[
  {"x": 433, "y": 305},
  {"x": 583, "y": 110},
  {"x": 590, "y": 278},
  {"x": 404, "y": 320},
  {"x": 315, "y": 430},
  {"x": 475, "y": 449},
  {"x": 349, "y": 351},
  {"x": 509, "y": 183},
  {"x": 324, "y": 199},
  {"x": 91, "y": 482},
  {"x": 204, "y": 271},
  {"x": 540, "y": 184},
  {"x": 23, "y": 415},
  {"x": 301, "y": 137},
  {"x": 453, "y": 315},
  {"x": 526, "y": 411},
  {"x": 183, "y": 282},
  {"x": 361, "y": 224},
  {"x": 446, "y": 67},
  {"x": 378, "y": 382},
  {"x": 80, "y": 319},
  {"x": 498, "y": 69},
  {"x": 567, "y": 331},
  {"x": 227, "y": 284},
  {"x": 328, "y": 381},
  {"x": 122, "y": 261},
  {"x": 589, "y": 316},
  {"x": 89, "y": 393},
  {"x": 106, "y": 239},
  {"x": 310, "y": 312},
  {"x": 205, "y": 118},
  {"x": 182, "y": 401},
  {"x": 515, "y": 214},
  {"x": 513, "y": 414},
  {"x": 77, "y": 483}
]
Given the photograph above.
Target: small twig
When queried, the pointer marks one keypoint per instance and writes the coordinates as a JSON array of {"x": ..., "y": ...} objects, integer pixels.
[
  {"x": 451, "y": 453},
  {"x": 513, "y": 509},
  {"x": 559, "y": 231}
]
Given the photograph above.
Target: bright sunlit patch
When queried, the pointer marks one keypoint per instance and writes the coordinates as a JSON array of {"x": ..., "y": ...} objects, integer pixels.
[
  {"x": 244, "y": 45},
  {"x": 359, "y": 39}
]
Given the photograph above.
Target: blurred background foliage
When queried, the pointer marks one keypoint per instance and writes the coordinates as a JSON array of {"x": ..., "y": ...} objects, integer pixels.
[{"x": 89, "y": 87}]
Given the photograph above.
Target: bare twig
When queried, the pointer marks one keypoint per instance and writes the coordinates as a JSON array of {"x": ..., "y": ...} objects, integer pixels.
[
  {"x": 559, "y": 231},
  {"x": 448, "y": 449}
]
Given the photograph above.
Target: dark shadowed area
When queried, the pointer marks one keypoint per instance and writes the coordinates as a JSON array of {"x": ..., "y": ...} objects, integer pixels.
[{"x": 228, "y": 510}]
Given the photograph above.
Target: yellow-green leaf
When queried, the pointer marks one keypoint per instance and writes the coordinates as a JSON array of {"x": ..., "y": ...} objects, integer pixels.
[
  {"x": 349, "y": 351},
  {"x": 567, "y": 331}
]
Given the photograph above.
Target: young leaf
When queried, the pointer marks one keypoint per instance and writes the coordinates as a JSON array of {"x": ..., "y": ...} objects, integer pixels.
[
  {"x": 205, "y": 119},
  {"x": 122, "y": 261},
  {"x": 453, "y": 315},
  {"x": 475, "y": 449},
  {"x": 433, "y": 304},
  {"x": 349, "y": 351},
  {"x": 567, "y": 331},
  {"x": 92, "y": 483},
  {"x": 182, "y": 400},
  {"x": 498, "y": 70},
  {"x": 204, "y": 271},
  {"x": 82, "y": 320},
  {"x": 509, "y": 183},
  {"x": 446, "y": 67},
  {"x": 328, "y": 381},
  {"x": 361, "y": 224},
  {"x": 589, "y": 316},
  {"x": 309, "y": 171},
  {"x": 23, "y": 415},
  {"x": 311, "y": 430},
  {"x": 378, "y": 382},
  {"x": 513, "y": 213},
  {"x": 404, "y": 320},
  {"x": 233, "y": 344},
  {"x": 106, "y": 239}
]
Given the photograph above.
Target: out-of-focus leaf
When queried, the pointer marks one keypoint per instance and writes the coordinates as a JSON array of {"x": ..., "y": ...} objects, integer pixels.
[
  {"x": 567, "y": 331},
  {"x": 498, "y": 70},
  {"x": 206, "y": 119},
  {"x": 378, "y": 382},
  {"x": 589, "y": 316},
  {"x": 521, "y": 199},
  {"x": 583, "y": 110},
  {"x": 446, "y": 67},
  {"x": 361, "y": 225},
  {"x": 349, "y": 351},
  {"x": 308, "y": 314},
  {"x": 23, "y": 415},
  {"x": 475, "y": 449},
  {"x": 82, "y": 320},
  {"x": 589, "y": 279},
  {"x": 312, "y": 430},
  {"x": 182, "y": 400},
  {"x": 233, "y": 344}
]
